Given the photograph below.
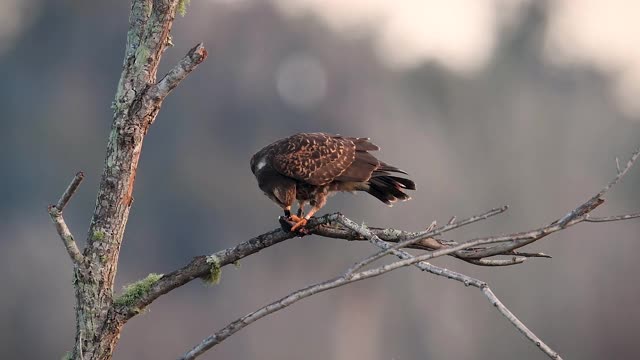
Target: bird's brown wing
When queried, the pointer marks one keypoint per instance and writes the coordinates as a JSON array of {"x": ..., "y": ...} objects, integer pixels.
[
  {"x": 315, "y": 158},
  {"x": 363, "y": 165}
]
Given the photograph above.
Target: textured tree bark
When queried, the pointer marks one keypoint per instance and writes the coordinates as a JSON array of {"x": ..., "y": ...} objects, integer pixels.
[
  {"x": 137, "y": 102},
  {"x": 100, "y": 318}
]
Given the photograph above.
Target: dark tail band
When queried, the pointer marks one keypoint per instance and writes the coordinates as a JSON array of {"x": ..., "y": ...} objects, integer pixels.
[{"x": 388, "y": 188}]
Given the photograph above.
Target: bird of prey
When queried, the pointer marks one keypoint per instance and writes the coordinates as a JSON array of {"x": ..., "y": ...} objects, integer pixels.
[{"x": 307, "y": 167}]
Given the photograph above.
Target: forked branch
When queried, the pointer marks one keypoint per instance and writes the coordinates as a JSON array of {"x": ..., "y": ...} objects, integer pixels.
[
  {"x": 139, "y": 97},
  {"x": 351, "y": 276},
  {"x": 474, "y": 251},
  {"x": 169, "y": 82},
  {"x": 55, "y": 212}
]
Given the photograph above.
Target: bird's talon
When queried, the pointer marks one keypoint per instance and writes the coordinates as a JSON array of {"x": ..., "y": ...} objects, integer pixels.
[
  {"x": 299, "y": 224},
  {"x": 285, "y": 224},
  {"x": 295, "y": 219}
]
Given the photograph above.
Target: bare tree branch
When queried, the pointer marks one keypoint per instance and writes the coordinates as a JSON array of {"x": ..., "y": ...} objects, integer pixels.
[
  {"x": 137, "y": 102},
  {"x": 430, "y": 232},
  {"x": 322, "y": 226},
  {"x": 575, "y": 216},
  {"x": 138, "y": 99},
  {"x": 597, "y": 199},
  {"x": 409, "y": 238},
  {"x": 478, "y": 283},
  {"x": 528, "y": 254},
  {"x": 194, "y": 57},
  {"x": 341, "y": 280},
  {"x": 55, "y": 212},
  {"x": 497, "y": 262},
  {"x": 518, "y": 324},
  {"x": 199, "y": 267},
  {"x": 70, "y": 191},
  {"x": 612, "y": 218},
  {"x": 346, "y": 278},
  {"x": 507, "y": 248}
]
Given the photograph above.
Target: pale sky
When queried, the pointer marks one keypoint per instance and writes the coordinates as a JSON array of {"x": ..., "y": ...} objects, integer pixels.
[{"x": 461, "y": 34}]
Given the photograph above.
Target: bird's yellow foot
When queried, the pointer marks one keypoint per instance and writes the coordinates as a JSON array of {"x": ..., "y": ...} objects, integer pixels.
[
  {"x": 294, "y": 224},
  {"x": 294, "y": 218},
  {"x": 299, "y": 223}
]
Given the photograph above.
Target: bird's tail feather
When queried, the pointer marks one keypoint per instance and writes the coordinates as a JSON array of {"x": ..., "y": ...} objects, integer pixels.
[{"x": 388, "y": 188}]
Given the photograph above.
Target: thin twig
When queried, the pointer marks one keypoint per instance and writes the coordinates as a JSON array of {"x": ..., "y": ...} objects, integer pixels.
[
  {"x": 456, "y": 224},
  {"x": 575, "y": 216},
  {"x": 194, "y": 57},
  {"x": 518, "y": 324},
  {"x": 389, "y": 235},
  {"x": 429, "y": 232},
  {"x": 621, "y": 174},
  {"x": 511, "y": 242},
  {"x": 425, "y": 266},
  {"x": 518, "y": 240},
  {"x": 468, "y": 281},
  {"x": 341, "y": 280},
  {"x": 55, "y": 212},
  {"x": 597, "y": 199},
  {"x": 199, "y": 266},
  {"x": 300, "y": 294},
  {"x": 471, "y": 251},
  {"x": 434, "y": 254},
  {"x": 71, "y": 189},
  {"x": 612, "y": 218},
  {"x": 529, "y": 255},
  {"x": 477, "y": 283},
  {"x": 321, "y": 226},
  {"x": 497, "y": 262}
]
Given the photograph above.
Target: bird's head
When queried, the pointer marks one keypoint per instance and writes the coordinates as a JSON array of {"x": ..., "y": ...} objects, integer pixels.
[
  {"x": 258, "y": 162},
  {"x": 275, "y": 186}
]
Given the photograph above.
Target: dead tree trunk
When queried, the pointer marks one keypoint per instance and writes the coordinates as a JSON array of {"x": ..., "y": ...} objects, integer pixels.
[
  {"x": 100, "y": 318},
  {"x": 137, "y": 102}
]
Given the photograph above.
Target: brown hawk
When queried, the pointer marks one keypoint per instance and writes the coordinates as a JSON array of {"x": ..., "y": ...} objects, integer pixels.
[{"x": 307, "y": 167}]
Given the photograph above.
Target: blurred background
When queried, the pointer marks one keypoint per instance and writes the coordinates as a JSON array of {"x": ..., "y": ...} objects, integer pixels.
[{"x": 484, "y": 102}]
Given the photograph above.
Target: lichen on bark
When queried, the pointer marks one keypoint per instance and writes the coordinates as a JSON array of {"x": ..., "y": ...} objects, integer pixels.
[
  {"x": 98, "y": 323},
  {"x": 215, "y": 271},
  {"x": 134, "y": 291}
]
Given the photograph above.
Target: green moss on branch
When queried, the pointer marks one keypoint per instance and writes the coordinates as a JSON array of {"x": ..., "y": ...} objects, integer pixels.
[
  {"x": 215, "y": 271},
  {"x": 133, "y": 292},
  {"x": 182, "y": 7},
  {"x": 98, "y": 235}
]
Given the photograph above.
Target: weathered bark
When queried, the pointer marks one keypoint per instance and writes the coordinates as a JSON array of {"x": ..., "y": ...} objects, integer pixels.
[
  {"x": 137, "y": 102},
  {"x": 100, "y": 318}
]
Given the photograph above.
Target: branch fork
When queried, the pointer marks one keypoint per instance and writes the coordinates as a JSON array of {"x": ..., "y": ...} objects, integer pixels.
[
  {"x": 99, "y": 319},
  {"x": 55, "y": 212},
  {"x": 474, "y": 251}
]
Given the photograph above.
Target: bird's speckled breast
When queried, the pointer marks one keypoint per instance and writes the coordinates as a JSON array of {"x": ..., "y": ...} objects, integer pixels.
[{"x": 308, "y": 192}]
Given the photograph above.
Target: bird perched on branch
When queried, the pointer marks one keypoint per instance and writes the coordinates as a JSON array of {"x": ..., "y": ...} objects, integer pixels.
[{"x": 307, "y": 167}]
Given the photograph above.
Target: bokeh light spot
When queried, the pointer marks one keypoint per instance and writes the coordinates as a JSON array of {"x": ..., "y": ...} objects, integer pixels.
[{"x": 301, "y": 81}]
